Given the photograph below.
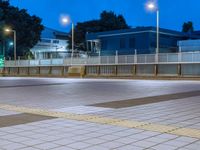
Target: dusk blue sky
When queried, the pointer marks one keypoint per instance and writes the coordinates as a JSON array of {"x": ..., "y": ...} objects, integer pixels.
[{"x": 172, "y": 12}]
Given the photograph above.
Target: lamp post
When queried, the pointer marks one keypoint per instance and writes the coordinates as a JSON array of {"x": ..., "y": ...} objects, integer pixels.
[
  {"x": 152, "y": 6},
  {"x": 65, "y": 20},
  {"x": 15, "y": 43}
]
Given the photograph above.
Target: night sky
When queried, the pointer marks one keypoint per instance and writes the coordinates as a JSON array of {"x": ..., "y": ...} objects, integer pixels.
[{"x": 172, "y": 12}]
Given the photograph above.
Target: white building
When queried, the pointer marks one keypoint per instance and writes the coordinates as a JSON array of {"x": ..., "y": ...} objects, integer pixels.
[
  {"x": 53, "y": 44},
  {"x": 189, "y": 45}
]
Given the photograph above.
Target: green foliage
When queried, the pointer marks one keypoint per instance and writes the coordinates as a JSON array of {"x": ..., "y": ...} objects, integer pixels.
[
  {"x": 2, "y": 61},
  {"x": 27, "y": 27},
  {"x": 188, "y": 27},
  {"x": 108, "y": 21},
  {"x": 29, "y": 55}
]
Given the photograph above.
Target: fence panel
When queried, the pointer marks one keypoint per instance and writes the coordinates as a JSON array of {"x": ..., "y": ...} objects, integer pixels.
[
  {"x": 67, "y": 61},
  {"x": 172, "y": 57},
  {"x": 78, "y": 61},
  {"x": 121, "y": 59},
  {"x": 22, "y": 62},
  {"x": 190, "y": 69},
  {"x": 93, "y": 60},
  {"x": 130, "y": 59},
  {"x": 125, "y": 70},
  {"x": 168, "y": 69},
  {"x": 57, "y": 61},
  {"x": 34, "y": 62},
  {"x": 145, "y": 70},
  {"x": 141, "y": 59},
  {"x": 186, "y": 57},
  {"x": 196, "y": 57},
  {"x": 107, "y": 70},
  {"x": 9, "y": 63},
  {"x": 150, "y": 58},
  {"x": 45, "y": 62},
  {"x": 92, "y": 70}
]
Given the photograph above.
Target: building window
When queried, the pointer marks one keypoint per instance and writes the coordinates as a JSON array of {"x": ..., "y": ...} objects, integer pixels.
[
  {"x": 132, "y": 42},
  {"x": 104, "y": 44},
  {"x": 45, "y": 41},
  {"x": 122, "y": 43},
  {"x": 153, "y": 44},
  {"x": 56, "y": 41}
]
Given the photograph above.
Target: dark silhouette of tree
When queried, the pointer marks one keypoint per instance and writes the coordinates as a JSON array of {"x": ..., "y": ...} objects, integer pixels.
[
  {"x": 27, "y": 27},
  {"x": 108, "y": 21},
  {"x": 188, "y": 27}
]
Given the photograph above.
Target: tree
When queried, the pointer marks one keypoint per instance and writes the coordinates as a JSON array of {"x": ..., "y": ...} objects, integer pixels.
[
  {"x": 188, "y": 27},
  {"x": 27, "y": 27},
  {"x": 108, "y": 21}
]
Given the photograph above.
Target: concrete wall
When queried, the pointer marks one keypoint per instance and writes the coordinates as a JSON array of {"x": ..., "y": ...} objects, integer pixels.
[{"x": 139, "y": 70}]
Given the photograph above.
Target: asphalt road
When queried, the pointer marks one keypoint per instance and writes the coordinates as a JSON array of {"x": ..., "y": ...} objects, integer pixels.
[{"x": 59, "y": 93}]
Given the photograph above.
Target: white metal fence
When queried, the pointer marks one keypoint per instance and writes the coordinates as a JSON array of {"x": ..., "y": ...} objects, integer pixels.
[{"x": 167, "y": 58}]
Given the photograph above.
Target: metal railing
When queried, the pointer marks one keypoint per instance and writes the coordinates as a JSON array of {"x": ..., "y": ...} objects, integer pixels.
[{"x": 167, "y": 58}]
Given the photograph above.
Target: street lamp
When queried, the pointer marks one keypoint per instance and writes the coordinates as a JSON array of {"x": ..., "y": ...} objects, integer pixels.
[
  {"x": 15, "y": 45},
  {"x": 153, "y": 7},
  {"x": 65, "y": 20}
]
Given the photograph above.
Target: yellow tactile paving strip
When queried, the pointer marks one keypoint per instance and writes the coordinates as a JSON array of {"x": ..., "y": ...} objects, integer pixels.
[{"x": 194, "y": 133}]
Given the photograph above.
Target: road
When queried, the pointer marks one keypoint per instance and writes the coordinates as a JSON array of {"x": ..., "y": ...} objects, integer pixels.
[{"x": 56, "y": 93}]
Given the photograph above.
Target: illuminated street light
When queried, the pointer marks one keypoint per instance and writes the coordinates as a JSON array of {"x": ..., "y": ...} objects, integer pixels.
[
  {"x": 65, "y": 20},
  {"x": 153, "y": 7},
  {"x": 11, "y": 43},
  {"x": 15, "y": 41}
]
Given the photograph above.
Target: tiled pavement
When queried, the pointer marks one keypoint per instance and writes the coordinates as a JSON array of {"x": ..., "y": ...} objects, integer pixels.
[
  {"x": 72, "y": 134},
  {"x": 58, "y": 134},
  {"x": 69, "y": 134}
]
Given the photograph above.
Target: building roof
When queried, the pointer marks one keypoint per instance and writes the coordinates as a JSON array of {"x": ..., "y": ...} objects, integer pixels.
[
  {"x": 196, "y": 33},
  {"x": 92, "y": 36},
  {"x": 52, "y": 33}
]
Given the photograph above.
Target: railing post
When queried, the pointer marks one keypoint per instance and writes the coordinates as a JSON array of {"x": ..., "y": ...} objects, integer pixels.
[
  {"x": 135, "y": 57},
  {"x": 88, "y": 60},
  {"x": 63, "y": 61},
  {"x": 4, "y": 61},
  {"x": 156, "y": 57},
  {"x": 167, "y": 57},
  {"x": 179, "y": 70},
  {"x": 18, "y": 62},
  {"x": 107, "y": 59},
  {"x": 29, "y": 62},
  {"x": 155, "y": 69},
  {"x": 180, "y": 55},
  {"x": 126, "y": 59},
  {"x": 99, "y": 57},
  {"x": 51, "y": 60},
  {"x": 116, "y": 57},
  {"x": 145, "y": 59},
  {"x": 85, "y": 62},
  {"x": 134, "y": 69},
  {"x": 71, "y": 60},
  {"x": 192, "y": 57}
]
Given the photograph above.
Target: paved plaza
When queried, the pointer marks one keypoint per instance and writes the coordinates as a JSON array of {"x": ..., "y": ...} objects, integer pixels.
[{"x": 99, "y": 114}]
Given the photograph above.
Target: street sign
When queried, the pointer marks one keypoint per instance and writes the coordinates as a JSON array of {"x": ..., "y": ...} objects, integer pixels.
[{"x": 1, "y": 61}]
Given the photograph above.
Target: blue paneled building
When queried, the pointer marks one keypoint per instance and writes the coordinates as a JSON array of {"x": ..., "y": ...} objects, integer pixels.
[{"x": 140, "y": 39}]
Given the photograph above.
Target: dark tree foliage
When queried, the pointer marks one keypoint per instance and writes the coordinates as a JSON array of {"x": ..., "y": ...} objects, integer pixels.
[
  {"x": 108, "y": 21},
  {"x": 27, "y": 27},
  {"x": 188, "y": 27}
]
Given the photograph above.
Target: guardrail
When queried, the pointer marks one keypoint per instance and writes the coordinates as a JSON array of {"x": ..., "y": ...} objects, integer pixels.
[{"x": 166, "y": 58}]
